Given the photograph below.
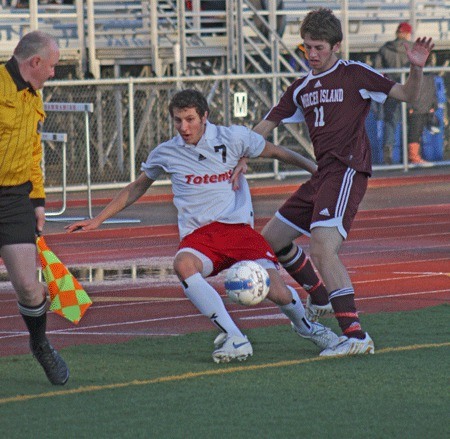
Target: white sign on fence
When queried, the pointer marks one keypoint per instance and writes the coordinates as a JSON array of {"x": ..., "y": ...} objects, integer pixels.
[
  {"x": 240, "y": 104},
  {"x": 68, "y": 106}
]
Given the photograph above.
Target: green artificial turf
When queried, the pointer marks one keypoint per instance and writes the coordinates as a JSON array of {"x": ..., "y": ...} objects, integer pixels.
[{"x": 170, "y": 388}]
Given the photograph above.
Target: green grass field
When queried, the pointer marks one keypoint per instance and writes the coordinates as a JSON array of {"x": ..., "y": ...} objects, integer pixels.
[{"x": 170, "y": 388}]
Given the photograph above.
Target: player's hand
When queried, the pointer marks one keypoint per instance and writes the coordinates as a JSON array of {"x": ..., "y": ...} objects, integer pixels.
[
  {"x": 420, "y": 51},
  {"x": 85, "y": 225},
  {"x": 241, "y": 168}
]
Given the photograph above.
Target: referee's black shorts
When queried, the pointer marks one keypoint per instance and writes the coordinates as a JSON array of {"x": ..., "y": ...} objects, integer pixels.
[{"x": 17, "y": 217}]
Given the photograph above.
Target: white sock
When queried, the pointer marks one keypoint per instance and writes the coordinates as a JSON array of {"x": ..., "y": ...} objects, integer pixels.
[
  {"x": 296, "y": 313},
  {"x": 207, "y": 300}
]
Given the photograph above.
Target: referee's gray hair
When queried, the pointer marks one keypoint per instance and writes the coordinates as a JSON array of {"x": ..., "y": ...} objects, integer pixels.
[{"x": 33, "y": 43}]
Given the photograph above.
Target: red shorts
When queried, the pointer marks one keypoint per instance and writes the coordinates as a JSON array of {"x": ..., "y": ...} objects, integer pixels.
[
  {"x": 329, "y": 199},
  {"x": 226, "y": 244}
]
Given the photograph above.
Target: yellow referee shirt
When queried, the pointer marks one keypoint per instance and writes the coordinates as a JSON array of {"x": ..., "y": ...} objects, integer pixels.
[{"x": 21, "y": 118}]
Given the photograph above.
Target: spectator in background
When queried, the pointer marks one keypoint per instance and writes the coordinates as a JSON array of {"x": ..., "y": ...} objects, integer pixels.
[
  {"x": 20, "y": 4},
  {"x": 300, "y": 51},
  {"x": 421, "y": 114},
  {"x": 392, "y": 55}
]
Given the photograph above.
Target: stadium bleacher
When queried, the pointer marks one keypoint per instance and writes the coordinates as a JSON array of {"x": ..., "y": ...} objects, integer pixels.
[{"x": 145, "y": 32}]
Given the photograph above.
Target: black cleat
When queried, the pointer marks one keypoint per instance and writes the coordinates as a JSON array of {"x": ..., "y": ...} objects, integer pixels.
[{"x": 54, "y": 366}]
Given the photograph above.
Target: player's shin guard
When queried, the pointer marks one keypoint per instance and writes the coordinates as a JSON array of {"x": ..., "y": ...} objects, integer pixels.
[
  {"x": 343, "y": 301},
  {"x": 302, "y": 271}
]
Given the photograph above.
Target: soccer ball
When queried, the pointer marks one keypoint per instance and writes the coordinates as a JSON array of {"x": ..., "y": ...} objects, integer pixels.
[{"x": 247, "y": 283}]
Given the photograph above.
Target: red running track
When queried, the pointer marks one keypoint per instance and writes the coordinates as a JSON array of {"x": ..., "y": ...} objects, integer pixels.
[{"x": 399, "y": 259}]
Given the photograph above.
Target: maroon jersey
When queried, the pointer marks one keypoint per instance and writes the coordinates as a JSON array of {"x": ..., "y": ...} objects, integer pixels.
[{"x": 334, "y": 105}]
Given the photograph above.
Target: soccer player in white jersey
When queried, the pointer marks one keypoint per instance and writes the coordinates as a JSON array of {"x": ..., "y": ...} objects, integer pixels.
[
  {"x": 215, "y": 220},
  {"x": 333, "y": 99}
]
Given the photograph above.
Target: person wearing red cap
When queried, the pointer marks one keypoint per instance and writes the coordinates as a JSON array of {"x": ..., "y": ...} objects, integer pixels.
[
  {"x": 404, "y": 28},
  {"x": 392, "y": 55}
]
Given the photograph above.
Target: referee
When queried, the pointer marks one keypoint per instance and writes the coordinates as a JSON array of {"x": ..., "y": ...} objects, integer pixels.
[{"x": 22, "y": 197}]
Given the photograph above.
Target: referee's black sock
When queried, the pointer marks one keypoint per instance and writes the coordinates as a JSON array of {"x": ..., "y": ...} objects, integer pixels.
[{"x": 35, "y": 318}]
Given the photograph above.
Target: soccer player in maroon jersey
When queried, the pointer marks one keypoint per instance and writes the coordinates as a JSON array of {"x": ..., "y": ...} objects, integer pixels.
[{"x": 333, "y": 99}]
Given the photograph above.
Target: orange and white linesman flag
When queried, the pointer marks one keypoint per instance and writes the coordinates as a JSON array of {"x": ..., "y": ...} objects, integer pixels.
[{"x": 68, "y": 298}]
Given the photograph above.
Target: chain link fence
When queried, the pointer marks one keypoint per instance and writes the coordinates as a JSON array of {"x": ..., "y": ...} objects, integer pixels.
[{"x": 131, "y": 117}]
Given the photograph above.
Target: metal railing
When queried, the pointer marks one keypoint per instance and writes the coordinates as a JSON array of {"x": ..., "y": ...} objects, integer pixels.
[
  {"x": 130, "y": 117},
  {"x": 59, "y": 138}
]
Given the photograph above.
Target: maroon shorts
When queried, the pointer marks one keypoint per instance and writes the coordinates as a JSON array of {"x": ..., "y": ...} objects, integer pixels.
[
  {"x": 329, "y": 199},
  {"x": 226, "y": 244}
]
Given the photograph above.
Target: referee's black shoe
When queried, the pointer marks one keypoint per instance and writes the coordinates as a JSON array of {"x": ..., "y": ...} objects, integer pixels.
[{"x": 54, "y": 366}]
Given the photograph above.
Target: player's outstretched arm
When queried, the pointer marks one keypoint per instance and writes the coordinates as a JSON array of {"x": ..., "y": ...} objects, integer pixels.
[
  {"x": 417, "y": 55},
  {"x": 127, "y": 196},
  {"x": 288, "y": 156},
  {"x": 265, "y": 127}
]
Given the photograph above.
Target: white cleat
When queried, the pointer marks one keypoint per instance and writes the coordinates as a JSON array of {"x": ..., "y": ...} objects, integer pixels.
[
  {"x": 313, "y": 312},
  {"x": 320, "y": 335},
  {"x": 350, "y": 346},
  {"x": 232, "y": 348}
]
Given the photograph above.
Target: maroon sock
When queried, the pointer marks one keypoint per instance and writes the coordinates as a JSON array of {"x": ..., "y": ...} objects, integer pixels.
[{"x": 344, "y": 307}]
